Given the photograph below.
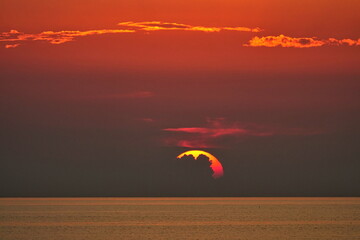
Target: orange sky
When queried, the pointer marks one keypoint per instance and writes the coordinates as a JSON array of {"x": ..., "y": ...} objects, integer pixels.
[
  {"x": 186, "y": 50},
  {"x": 274, "y": 15},
  {"x": 183, "y": 74},
  {"x": 194, "y": 50}
]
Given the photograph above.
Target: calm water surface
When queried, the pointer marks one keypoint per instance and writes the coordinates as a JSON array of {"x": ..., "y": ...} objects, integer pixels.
[{"x": 179, "y": 218}]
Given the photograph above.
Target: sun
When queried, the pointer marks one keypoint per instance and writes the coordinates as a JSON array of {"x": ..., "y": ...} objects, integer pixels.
[{"x": 215, "y": 163}]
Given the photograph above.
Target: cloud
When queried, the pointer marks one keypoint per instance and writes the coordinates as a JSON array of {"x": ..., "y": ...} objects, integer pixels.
[
  {"x": 158, "y": 25},
  {"x": 346, "y": 41},
  {"x": 218, "y": 129},
  {"x": 54, "y": 37},
  {"x": 193, "y": 143},
  {"x": 14, "y": 38},
  {"x": 212, "y": 132},
  {"x": 305, "y": 42},
  {"x": 59, "y": 37},
  {"x": 147, "y": 120},
  {"x": 12, "y": 45}
]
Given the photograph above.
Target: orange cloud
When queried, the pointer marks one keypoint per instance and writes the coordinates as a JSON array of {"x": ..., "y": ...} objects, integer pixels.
[
  {"x": 306, "y": 42},
  {"x": 12, "y": 45},
  {"x": 158, "y": 25},
  {"x": 53, "y": 37},
  {"x": 14, "y": 38},
  {"x": 60, "y": 37},
  {"x": 349, "y": 42}
]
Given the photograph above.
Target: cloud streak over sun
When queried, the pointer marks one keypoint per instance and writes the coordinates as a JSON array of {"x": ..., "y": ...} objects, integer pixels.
[
  {"x": 304, "y": 42},
  {"x": 217, "y": 130}
]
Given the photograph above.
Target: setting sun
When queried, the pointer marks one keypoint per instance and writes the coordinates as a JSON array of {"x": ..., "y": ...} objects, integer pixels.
[{"x": 215, "y": 163}]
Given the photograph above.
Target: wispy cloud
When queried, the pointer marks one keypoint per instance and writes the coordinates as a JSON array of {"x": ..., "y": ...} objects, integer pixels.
[
  {"x": 14, "y": 38},
  {"x": 147, "y": 120},
  {"x": 217, "y": 129},
  {"x": 305, "y": 42},
  {"x": 53, "y": 37},
  {"x": 12, "y": 45},
  {"x": 158, "y": 25},
  {"x": 211, "y": 132}
]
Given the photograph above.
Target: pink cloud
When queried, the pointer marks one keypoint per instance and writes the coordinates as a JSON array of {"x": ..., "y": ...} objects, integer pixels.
[
  {"x": 148, "y": 120},
  {"x": 189, "y": 143},
  {"x": 217, "y": 129},
  {"x": 213, "y": 132}
]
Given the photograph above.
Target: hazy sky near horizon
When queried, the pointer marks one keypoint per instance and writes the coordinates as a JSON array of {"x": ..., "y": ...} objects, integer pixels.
[{"x": 97, "y": 97}]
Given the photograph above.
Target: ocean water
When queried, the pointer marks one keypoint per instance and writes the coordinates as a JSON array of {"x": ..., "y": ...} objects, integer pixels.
[{"x": 179, "y": 218}]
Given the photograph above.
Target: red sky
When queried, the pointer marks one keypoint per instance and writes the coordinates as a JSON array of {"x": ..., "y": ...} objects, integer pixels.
[
  {"x": 194, "y": 50},
  {"x": 199, "y": 73}
]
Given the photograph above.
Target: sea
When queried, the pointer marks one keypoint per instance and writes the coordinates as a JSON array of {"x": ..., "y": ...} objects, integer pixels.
[{"x": 179, "y": 218}]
